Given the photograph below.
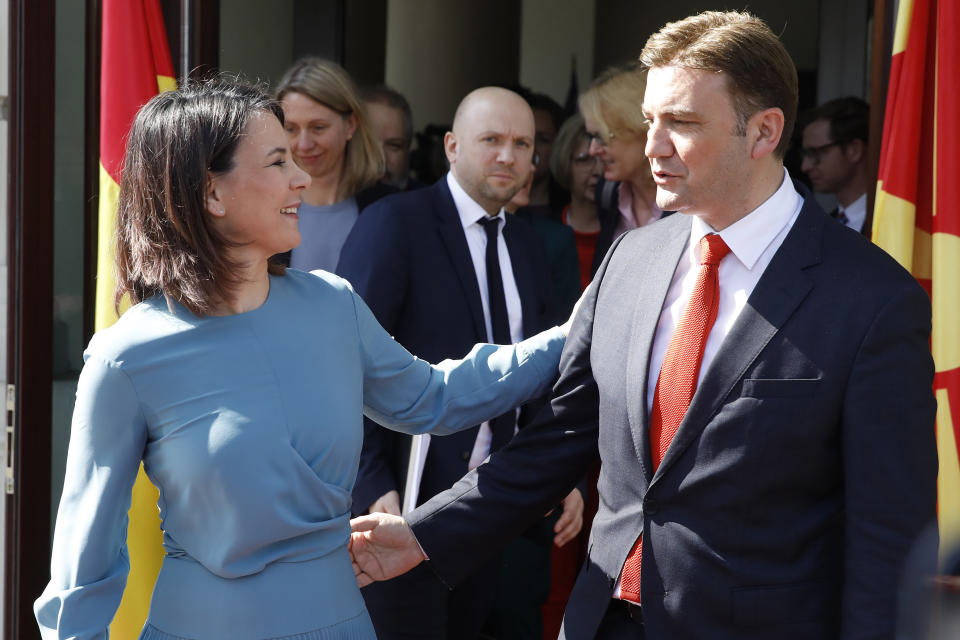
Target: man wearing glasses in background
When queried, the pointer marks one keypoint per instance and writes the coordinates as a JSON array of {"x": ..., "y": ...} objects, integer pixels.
[{"x": 835, "y": 156}]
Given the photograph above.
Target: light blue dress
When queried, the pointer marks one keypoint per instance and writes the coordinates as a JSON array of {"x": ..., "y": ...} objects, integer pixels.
[
  {"x": 323, "y": 231},
  {"x": 250, "y": 426}
]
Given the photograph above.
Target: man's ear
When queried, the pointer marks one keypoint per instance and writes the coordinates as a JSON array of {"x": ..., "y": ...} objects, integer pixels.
[
  {"x": 855, "y": 151},
  {"x": 450, "y": 146},
  {"x": 764, "y": 130},
  {"x": 215, "y": 204}
]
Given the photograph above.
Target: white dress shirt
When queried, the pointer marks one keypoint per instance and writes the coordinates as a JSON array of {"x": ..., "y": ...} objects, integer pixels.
[
  {"x": 856, "y": 213},
  {"x": 753, "y": 240},
  {"x": 470, "y": 213}
]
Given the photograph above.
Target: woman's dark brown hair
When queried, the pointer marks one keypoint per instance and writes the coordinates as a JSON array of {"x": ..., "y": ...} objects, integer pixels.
[{"x": 165, "y": 240}]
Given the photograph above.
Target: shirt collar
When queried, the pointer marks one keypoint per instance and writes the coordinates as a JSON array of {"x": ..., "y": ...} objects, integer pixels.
[
  {"x": 467, "y": 207},
  {"x": 749, "y": 236},
  {"x": 857, "y": 211}
]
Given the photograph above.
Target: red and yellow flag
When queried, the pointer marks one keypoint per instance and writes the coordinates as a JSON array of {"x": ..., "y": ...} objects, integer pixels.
[
  {"x": 917, "y": 213},
  {"x": 135, "y": 66}
]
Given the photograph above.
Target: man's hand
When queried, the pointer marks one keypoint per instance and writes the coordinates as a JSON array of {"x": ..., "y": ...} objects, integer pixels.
[
  {"x": 571, "y": 520},
  {"x": 388, "y": 503},
  {"x": 382, "y": 546}
]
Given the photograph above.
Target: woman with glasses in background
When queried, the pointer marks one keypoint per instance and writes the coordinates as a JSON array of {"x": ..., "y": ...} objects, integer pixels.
[
  {"x": 579, "y": 172},
  {"x": 626, "y": 197}
]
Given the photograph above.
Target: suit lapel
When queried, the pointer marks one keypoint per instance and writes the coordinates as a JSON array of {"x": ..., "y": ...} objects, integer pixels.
[
  {"x": 778, "y": 293},
  {"x": 523, "y": 276},
  {"x": 654, "y": 273},
  {"x": 455, "y": 242}
]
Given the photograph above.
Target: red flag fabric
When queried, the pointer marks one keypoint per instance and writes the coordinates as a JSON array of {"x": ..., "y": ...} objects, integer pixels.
[{"x": 917, "y": 212}]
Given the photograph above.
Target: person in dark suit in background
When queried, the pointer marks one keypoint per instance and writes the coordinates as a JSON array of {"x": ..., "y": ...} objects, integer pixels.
[
  {"x": 539, "y": 567},
  {"x": 756, "y": 380},
  {"x": 560, "y": 249},
  {"x": 441, "y": 268},
  {"x": 835, "y": 150}
]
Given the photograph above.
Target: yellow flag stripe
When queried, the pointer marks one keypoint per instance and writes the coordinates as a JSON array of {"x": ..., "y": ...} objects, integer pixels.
[
  {"x": 893, "y": 226},
  {"x": 946, "y": 301},
  {"x": 903, "y": 26},
  {"x": 145, "y": 543},
  {"x": 106, "y": 282},
  {"x": 166, "y": 83}
]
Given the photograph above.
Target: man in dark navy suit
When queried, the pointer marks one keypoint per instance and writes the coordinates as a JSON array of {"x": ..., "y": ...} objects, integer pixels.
[
  {"x": 443, "y": 268},
  {"x": 755, "y": 379}
]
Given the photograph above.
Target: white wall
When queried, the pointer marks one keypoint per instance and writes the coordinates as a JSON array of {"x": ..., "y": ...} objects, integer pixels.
[
  {"x": 550, "y": 34},
  {"x": 438, "y": 51},
  {"x": 256, "y": 38},
  {"x": 843, "y": 47},
  {"x": 623, "y": 26}
]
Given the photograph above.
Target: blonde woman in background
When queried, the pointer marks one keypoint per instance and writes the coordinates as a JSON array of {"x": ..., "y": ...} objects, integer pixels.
[
  {"x": 333, "y": 141},
  {"x": 626, "y": 197}
]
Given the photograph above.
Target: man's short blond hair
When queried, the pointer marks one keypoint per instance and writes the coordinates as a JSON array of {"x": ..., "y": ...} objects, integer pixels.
[{"x": 759, "y": 70}]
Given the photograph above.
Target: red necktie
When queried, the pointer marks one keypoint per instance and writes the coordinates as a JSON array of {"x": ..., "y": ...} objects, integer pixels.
[{"x": 678, "y": 378}]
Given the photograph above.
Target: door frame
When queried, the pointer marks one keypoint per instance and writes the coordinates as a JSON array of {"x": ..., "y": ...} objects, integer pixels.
[{"x": 30, "y": 307}]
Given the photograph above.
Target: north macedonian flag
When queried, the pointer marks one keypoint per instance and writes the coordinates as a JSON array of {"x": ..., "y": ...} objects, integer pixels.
[
  {"x": 917, "y": 213},
  {"x": 135, "y": 66}
]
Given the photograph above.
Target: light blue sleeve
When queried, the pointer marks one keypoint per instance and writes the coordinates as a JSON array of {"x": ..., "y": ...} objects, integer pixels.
[
  {"x": 89, "y": 564},
  {"x": 407, "y": 394}
]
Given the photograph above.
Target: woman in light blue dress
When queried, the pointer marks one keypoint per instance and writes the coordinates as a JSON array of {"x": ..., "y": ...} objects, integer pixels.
[{"x": 241, "y": 388}]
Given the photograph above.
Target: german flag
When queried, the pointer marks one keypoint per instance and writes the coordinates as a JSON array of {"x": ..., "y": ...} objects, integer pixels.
[
  {"x": 135, "y": 66},
  {"x": 917, "y": 213}
]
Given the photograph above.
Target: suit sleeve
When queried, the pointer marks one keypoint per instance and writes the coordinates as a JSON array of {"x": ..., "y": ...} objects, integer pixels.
[
  {"x": 890, "y": 460},
  {"x": 89, "y": 564},
  {"x": 498, "y": 500},
  {"x": 566, "y": 272},
  {"x": 374, "y": 261}
]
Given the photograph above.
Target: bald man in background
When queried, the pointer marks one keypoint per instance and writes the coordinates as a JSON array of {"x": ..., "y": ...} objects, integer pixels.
[{"x": 422, "y": 262}]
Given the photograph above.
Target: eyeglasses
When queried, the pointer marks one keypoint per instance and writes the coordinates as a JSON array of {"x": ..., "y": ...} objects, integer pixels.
[
  {"x": 600, "y": 139},
  {"x": 584, "y": 159},
  {"x": 813, "y": 154}
]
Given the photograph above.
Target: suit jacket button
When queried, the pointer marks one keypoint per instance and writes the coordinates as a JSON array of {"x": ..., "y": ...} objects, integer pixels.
[
  {"x": 650, "y": 507},
  {"x": 465, "y": 455}
]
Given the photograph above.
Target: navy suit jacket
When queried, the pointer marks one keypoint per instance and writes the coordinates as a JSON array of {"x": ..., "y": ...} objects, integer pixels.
[
  {"x": 802, "y": 472},
  {"x": 407, "y": 257}
]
